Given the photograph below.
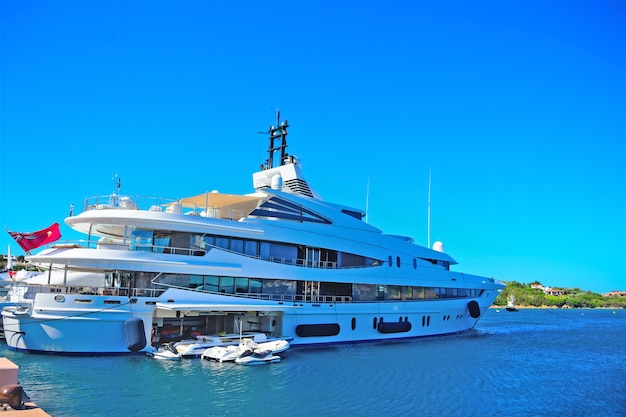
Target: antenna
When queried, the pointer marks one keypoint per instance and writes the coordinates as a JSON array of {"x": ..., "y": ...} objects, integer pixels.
[
  {"x": 277, "y": 133},
  {"x": 429, "y": 181},
  {"x": 116, "y": 179},
  {"x": 367, "y": 201}
]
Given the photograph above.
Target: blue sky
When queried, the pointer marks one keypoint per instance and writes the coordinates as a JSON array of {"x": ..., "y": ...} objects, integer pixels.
[{"x": 517, "y": 107}]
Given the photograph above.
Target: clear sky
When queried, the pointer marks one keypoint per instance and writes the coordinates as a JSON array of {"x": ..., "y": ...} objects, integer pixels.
[{"x": 517, "y": 107}]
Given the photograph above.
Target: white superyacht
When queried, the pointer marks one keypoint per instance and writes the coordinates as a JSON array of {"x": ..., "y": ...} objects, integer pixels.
[{"x": 280, "y": 261}]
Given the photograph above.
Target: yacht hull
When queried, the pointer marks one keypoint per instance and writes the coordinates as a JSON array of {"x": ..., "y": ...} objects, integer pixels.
[
  {"x": 95, "y": 330},
  {"x": 102, "y": 330}
]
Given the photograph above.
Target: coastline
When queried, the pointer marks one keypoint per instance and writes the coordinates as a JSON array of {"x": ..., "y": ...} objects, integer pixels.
[{"x": 547, "y": 307}]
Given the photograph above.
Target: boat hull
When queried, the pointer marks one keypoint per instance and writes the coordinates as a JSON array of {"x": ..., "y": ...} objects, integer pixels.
[
  {"x": 98, "y": 329},
  {"x": 77, "y": 327}
]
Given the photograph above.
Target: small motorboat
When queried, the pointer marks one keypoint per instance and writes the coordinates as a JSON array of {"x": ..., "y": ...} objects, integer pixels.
[
  {"x": 194, "y": 348},
  {"x": 166, "y": 352},
  {"x": 231, "y": 353},
  {"x": 256, "y": 357}
]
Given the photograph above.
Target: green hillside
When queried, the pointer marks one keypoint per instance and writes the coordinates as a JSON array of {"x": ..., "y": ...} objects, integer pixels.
[{"x": 572, "y": 298}]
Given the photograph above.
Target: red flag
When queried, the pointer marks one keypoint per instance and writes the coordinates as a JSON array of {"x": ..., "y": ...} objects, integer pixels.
[{"x": 30, "y": 241}]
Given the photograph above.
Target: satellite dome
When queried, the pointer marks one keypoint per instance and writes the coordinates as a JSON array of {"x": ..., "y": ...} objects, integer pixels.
[
  {"x": 438, "y": 246},
  {"x": 277, "y": 182}
]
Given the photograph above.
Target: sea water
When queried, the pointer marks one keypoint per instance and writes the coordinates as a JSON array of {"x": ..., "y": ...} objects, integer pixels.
[{"x": 526, "y": 363}]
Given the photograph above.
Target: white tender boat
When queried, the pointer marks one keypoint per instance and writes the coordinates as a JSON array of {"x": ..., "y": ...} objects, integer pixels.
[
  {"x": 232, "y": 352},
  {"x": 281, "y": 260},
  {"x": 194, "y": 348}
]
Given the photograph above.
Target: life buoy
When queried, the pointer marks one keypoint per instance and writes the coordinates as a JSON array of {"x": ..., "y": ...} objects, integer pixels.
[{"x": 474, "y": 309}]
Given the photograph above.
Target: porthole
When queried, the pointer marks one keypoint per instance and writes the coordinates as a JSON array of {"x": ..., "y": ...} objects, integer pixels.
[
  {"x": 398, "y": 261},
  {"x": 353, "y": 323},
  {"x": 375, "y": 322},
  {"x": 390, "y": 260},
  {"x": 414, "y": 263}
]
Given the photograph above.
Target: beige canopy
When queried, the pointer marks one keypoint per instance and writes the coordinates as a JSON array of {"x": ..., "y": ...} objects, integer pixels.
[{"x": 221, "y": 205}]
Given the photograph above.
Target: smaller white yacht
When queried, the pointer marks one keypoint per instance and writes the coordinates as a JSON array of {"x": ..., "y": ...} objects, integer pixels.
[{"x": 510, "y": 304}]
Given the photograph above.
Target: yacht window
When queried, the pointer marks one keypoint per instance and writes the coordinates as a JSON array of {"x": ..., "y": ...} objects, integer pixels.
[
  {"x": 392, "y": 292},
  {"x": 175, "y": 280},
  {"x": 265, "y": 250},
  {"x": 211, "y": 283},
  {"x": 141, "y": 240},
  {"x": 236, "y": 245},
  {"x": 364, "y": 292},
  {"x": 283, "y": 252},
  {"x": 251, "y": 247},
  {"x": 418, "y": 293},
  {"x": 209, "y": 241},
  {"x": 256, "y": 286},
  {"x": 431, "y": 293},
  {"x": 161, "y": 241},
  {"x": 181, "y": 242},
  {"x": 195, "y": 281},
  {"x": 227, "y": 285},
  {"x": 222, "y": 242},
  {"x": 380, "y": 292},
  {"x": 407, "y": 293},
  {"x": 336, "y": 289},
  {"x": 241, "y": 285},
  {"x": 282, "y": 209},
  {"x": 350, "y": 260},
  {"x": 279, "y": 286}
]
